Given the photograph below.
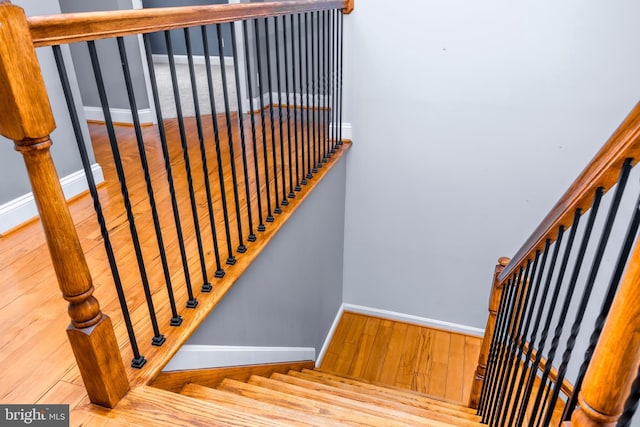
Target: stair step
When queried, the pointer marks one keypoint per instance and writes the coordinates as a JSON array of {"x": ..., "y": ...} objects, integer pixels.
[
  {"x": 335, "y": 399},
  {"x": 406, "y": 397},
  {"x": 149, "y": 406},
  {"x": 340, "y": 415},
  {"x": 420, "y": 399},
  {"x": 373, "y": 397},
  {"x": 290, "y": 416}
]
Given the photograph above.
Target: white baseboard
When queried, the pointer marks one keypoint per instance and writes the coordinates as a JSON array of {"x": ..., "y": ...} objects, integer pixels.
[
  {"x": 23, "y": 208},
  {"x": 197, "y": 59},
  {"x": 214, "y": 356},
  {"x": 332, "y": 331},
  {"x": 347, "y": 131},
  {"x": 118, "y": 115}
]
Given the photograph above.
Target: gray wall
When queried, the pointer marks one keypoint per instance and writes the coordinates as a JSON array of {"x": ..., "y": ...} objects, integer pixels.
[
  {"x": 109, "y": 58},
  {"x": 470, "y": 121},
  {"x": 13, "y": 177},
  {"x": 291, "y": 293}
]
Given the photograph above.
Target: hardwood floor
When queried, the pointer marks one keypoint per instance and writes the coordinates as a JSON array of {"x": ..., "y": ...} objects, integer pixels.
[
  {"x": 37, "y": 362},
  {"x": 386, "y": 352}
]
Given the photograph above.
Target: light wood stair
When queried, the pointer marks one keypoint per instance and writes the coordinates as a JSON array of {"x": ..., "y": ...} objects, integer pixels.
[{"x": 311, "y": 397}]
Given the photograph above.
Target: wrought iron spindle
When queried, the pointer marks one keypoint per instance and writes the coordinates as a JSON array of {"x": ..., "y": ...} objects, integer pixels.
[
  {"x": 185, "y": 156},
  {"x": 316, "y": 158},
  {"x": 535, "y": 288},
  {"x": 272, "y": 125},
  {"x": 138, "y": 360},
  {"x": 318, "y": 92},
  {"x": 547, "y": 323},
  {"x": 206, "y": 285},
  {"x": 216, "y": 136},
  {"x": 158, "y": 339},
  {"x": 245, "y": 33},
  {"x": 569, "y": 295},
  {"x": 191, "y": 301},
  {"x": 175, "y": 318},
  {"x": 595, "y": 266},
  {"x": 295, "y": 107},
  {"x": 308, "y": 125},
  {"x": 285, "y": 50},
  {"x": 300, "y": 88},
  {"x": 277, "y": 208},
  {"x": 325, "y": 87},
  {"x": 606, "y": 303},
  {"x": 245, "y": 169},
  {"x": 225, "y": 92},
  {"x": 341, "y": 15},
  {"x": 332, "y": 88}
]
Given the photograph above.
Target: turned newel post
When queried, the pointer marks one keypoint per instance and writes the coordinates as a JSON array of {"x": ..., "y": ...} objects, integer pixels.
[
  {"x": 27, "y": 119},
  {"x": 614, "y": 364},
  {"x": 494, "y": 303}
]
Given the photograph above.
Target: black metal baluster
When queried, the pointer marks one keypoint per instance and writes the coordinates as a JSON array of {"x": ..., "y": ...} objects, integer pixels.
[
  {"x": 491, "y": 359},
  {"x": 325, "y": 81},
  {"x": 277, "y": 208},
  {"x": 332, "y": 80},
  {"x": 318, "y": 93},
  {"x": 300, "y": 87},
  {"x": 607, "y": 301},
  {"x": 272, "y": 125},
  {"x": 544, "y": 401},
  {"x": 513, "y": 363},
  {"x": 138, "y": 360},
  {"x": 513, "y": 291},
  {"x": 631, "y": 404},
  {"x": 285, "y": 49},
  {"x": 295, "y": 105},
  {"x": 547, "y": 323},
  {"x": 569, "y": 295},
  {"x": 525, "y": 331},
  {"x": 340, "y": 78},
  {"x": 216, "y": 136},
  {"x": 575, "y": 328},
  {"x": 225, "y": 92},
  {"x": 191, "y": 302},
  {"x": 312, "y": 87},
  {"x": 158, "y": 338},
  {"x": 536, "y": 324},
  {"x": 308, "y": 126},
  {"x": 206, "y": 285},
  {"x": 262, "y": 118},
  {"x": 245, "y": 33},
  {"x": 185, "y": 156},
  {"x": 245, "y": 169},
  {"x": 175, "y": 318}
]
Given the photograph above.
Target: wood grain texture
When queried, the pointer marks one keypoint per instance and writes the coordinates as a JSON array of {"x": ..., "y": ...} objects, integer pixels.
[
  {"x": 175, "y": 381},
  {"x": 398, "y": 354},
  {"x": 615, "y": 361},
  {"x": 75, "y": 27},
  {"x": 602, "y": 171}
]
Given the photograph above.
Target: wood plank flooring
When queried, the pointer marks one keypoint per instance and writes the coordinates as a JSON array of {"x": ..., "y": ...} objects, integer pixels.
[{"x": 391, "y": 353}]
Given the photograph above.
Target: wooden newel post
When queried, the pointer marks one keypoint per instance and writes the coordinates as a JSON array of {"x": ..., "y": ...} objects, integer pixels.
[
  {"x": 349, "y": 7},
  {"x": 615, "y": 360},
  {"x": 27, "y": 119},
  {"x": 481, "y": 369}
]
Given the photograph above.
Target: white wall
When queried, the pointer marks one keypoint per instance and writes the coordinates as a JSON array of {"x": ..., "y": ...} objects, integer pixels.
[{"x": 470, "y": 120}]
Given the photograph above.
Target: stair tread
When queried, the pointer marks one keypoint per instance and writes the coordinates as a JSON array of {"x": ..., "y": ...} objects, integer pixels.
[
  {"x": 291, "y": 416},
  {"x": 346, "y": 403},
  {"x": 391, "y": 390},
  {"x": 148, "y": 406},
  {"x": 404, "y": 396},
  {"x": 372, "y": 397},
  {"x": 341, "y": 415}
]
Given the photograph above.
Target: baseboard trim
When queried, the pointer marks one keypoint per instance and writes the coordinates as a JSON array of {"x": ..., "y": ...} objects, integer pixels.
[
  {"x": 23, "y": 208},
  {"x": 118, "y": 115},
  {"x": 159, "y": 58},
  {"x": 215, "y": 356},
  {"x": 332, "y": 331}
]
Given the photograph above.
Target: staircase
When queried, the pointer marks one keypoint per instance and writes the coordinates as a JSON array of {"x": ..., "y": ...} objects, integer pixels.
[{"x": 299, "y": 398}]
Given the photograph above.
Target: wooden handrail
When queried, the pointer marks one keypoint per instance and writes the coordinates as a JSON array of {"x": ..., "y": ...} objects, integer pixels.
[
  {"x": 615, "y": 361},
  {"x": 27, "y": 119},
  {"x": 76, "y": 27},
  {"x": 602, "y": 171}
]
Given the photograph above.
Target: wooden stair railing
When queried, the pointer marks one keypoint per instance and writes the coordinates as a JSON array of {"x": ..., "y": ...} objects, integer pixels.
[
  {"x": 611, "y": 362},
  {"x": 26, "y": 118}
]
